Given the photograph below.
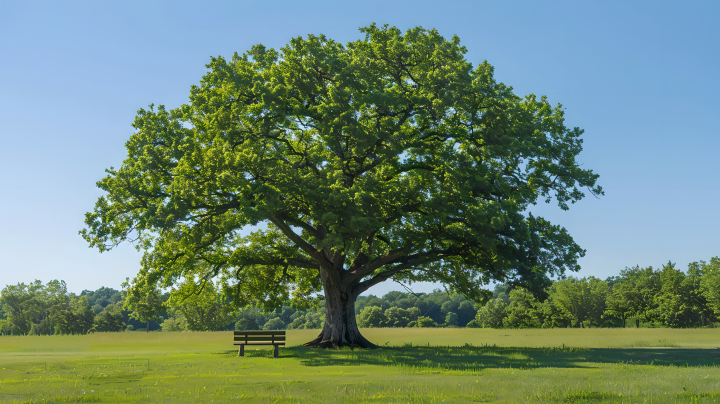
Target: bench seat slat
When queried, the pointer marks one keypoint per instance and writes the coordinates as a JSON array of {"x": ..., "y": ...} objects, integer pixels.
[{"x": 276, "y": 338}]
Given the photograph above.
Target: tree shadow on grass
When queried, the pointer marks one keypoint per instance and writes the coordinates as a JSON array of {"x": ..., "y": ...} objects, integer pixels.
[{"x": 477, "y": 358}]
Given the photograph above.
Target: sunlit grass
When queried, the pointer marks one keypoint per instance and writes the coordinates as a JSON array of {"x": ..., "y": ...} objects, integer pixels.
[{"x": 414, "y": 365}]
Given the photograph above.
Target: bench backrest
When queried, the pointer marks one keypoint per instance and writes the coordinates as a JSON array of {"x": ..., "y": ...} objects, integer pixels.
[{"x": 259, "y": 337}]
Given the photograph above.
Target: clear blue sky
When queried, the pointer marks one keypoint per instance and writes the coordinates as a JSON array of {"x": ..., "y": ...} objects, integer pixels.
[{"x": 642, "y": 78}]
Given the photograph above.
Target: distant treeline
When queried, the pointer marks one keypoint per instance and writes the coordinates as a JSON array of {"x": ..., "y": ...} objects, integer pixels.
[{"x": 638, "y": 297}]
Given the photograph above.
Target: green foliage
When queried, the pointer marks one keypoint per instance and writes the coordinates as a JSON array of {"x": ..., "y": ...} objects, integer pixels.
[
  {"x": 110, "y": 318},
  {"x": 710, "y": 284},
  {"x": 75, "y": 318},
  {"x": 372, "y": 300},
  {"x": 390, "y": 157},
  {"x": 681, "y": 302},
  {"x": 274, "y": 324},
  {"x": 101, "y": 298},
  {"x": 425, "y": 322},
  {"x": 492, "y": 314},
  {"x": 700, "y": 310},
  {"x": 5, "y": 327},
  {"x": 175, "y": 321},
  {"x": 451, "y": 319},
  {"x": 633, "y": 294},
  {"x": 38, "y": 309},
  {"x": 398, "y": 317},
  {"x": 311, "y": 319},
  {"x": 143, "y": 301},
  {"x": 466, "y": 312},
  {"x": 202, "y": 306},
  {"x": 244, "y": 325},
  {"x": 582, "y": 301},
  {"x": 523, "y": 310},
  {"x": 371, "y": 316}
]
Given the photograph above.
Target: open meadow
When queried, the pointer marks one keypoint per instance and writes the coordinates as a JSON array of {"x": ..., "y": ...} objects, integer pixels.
[{"x": 416, "y": 365}]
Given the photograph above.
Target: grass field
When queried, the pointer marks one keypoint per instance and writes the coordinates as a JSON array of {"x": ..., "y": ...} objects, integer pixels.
[{"x": 413, "y": 366}]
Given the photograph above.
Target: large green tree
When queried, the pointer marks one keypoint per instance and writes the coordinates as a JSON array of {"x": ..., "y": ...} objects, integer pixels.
[{"x": 388, "y": 158}]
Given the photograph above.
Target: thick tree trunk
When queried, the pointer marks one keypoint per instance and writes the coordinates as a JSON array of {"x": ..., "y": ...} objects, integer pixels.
[{"x": 340, "y": 326}]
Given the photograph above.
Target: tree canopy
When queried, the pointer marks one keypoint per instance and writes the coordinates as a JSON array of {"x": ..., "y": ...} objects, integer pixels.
[{"x": 388, "y": 158}]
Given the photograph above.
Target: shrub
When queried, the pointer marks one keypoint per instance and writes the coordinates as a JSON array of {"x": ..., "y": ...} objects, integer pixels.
[
  {"x": 175, "y": 322},
  {"x": 425, "y": 322}
]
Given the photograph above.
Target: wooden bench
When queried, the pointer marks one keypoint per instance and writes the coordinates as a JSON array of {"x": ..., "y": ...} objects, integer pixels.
[{"x": 275, "y": 338}]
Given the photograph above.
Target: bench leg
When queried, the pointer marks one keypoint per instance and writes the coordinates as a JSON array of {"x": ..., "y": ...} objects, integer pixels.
[
  {"x": 241, "y": 351},
  {"x": 275, "y": 353}
]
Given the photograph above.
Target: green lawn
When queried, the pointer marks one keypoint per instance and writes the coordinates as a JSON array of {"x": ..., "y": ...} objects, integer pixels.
[{"x": 414, "y": 365}]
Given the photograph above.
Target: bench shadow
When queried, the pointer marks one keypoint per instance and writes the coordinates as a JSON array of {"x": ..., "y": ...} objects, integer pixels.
[{"x": 477, "y": 358}]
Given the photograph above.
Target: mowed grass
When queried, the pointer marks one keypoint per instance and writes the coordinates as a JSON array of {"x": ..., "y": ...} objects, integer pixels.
[{"x": 413, "y": 366}]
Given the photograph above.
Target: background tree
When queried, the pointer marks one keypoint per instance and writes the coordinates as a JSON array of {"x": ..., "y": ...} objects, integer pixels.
[
  {"x": 143, "y": 301},
  {"x": 20, "y": 305},
  {"x": 35, "y": 308},
  {"x": 202, "y": 306},
  {"x": 680, "y": 302},
  {"x": 371, "y": 300},
  {"x": 274, "y": 324},
  {"x": 622, "y": 301},
  {"x": 399, "y": 317},
  {"x": 245, "y": 324},
  {"x": 372, "y": 317},
  {"x": 101, "y": 298},
  {"x": 581, "y": 300},
  {"x": 388, "y": 158},
  {"x": 451, "y": 319},
  {"x": 466, "y": 313},
  {"x": 110, "y": 319},
  {"x": 311, "y": 320},
  {"x": 425, "y": 322},
  {"x": 522, "y": 312},
  {"x": 700, "y": 312},
  {"x": 74, "y": 316},
  {"x": 492, "y": 314},
  {"x": 249, "y": 318},
  {"x": 633, "y": 294},
  {"x": 710, "y": 284}
]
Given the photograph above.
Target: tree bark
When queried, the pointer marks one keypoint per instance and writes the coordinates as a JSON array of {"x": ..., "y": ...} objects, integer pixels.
[
  {"x": 147, "y": 325},
  {"x": 340, "y": 327}
]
